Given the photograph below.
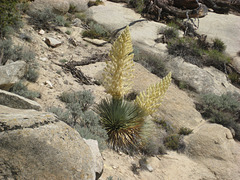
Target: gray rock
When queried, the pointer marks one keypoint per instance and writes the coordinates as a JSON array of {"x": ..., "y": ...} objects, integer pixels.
[
  {"x": 97, "y": 157},
  {"x": 97, "y": 42},
  {"x": 77, "y": 22},
  {"x": 52, "y": 42},
  {"x": 62, "y": 6},
  {"x": 35, "y": 145},
  {"x": 15, "y": 101},
  {"x": 11, "y": 73},
  {"x": 206, "y": 80},
  {"x": 213, "y": 146}
]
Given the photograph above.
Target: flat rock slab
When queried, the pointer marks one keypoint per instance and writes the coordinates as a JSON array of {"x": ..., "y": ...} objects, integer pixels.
[
  {"x": 52, "y": 42},
  {"x": 224, "y": 27},
  {"x": 112, "y": 15},
  {"x": 36, "y": 145},
  {"x": 15, "y": 101},
  {"x": 97, "y": 42}
]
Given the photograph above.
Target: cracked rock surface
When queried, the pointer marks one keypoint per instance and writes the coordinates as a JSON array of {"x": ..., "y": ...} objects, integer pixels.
[{"x": 35, "y": 145}]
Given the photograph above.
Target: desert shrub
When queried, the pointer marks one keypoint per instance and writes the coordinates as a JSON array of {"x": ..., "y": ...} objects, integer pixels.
[
  {"x": 235, "y": 78},
  {"x": 62, "y": 114},
  {"x": 68, "y": 32},
  {"x": 95, "y": 3},
  {"x": 25, "y": 37},
  {"x": 122, "y": 120},
  {"x": 151, "y": 62},
  {"x": 32, "y": 75},
  {"x": 96, "y": 31},
  {"x": 170, "y": 33},
  {"x": 138, "y": 5},
  {"x": 172, "y": 141},
  {"x": 9, "y": 16},
  {"x": 216, "y": 59},
  {"x": 80, "y": 117},
  {"x": 81, "y": 16},
  {"x": 22, "y": 90},
  {"x": 224, "y": 110},
  {"x": 187, "y": 48},
  {"x": 185, "y": 131},
  {"x": 46, "y": 19},
  {"x": 15, "y": 53},
  {"x": 219, "y": 45}
]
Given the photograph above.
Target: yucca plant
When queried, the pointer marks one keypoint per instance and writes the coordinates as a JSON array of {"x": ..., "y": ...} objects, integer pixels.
[
  {"x": 150, "y": 100},
  {"x": 123, "y": 121},
  {"x": 118, "y": 74}
]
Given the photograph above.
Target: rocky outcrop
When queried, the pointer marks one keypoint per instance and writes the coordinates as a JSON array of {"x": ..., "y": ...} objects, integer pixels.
[
  {"x": 11, "y": 73},
  {"x": 213, "y": 146},
  {"x": 15, "y": 101},
  {"x": 97, "y": 157},
  {"x": 52, "y": 42},
  {"x": 62, "y": 6},
  {"x": 35, "y": 145},
  {"x": 206, "y": 80}
]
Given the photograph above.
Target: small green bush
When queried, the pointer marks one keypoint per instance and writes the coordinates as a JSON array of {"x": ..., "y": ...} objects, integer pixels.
[
  {"x": 151, "y": 62},
  {"x": 224, "y": 110},
  {"x": 172, "y": 141},
  {"x": 187, "y": 48},
  {"x": 68, "y": 32},
  {"x": 170, "y": 33},
  {"x": 138, "y": 5},
  {"x": 32, "y": 75},
  {"x": 63, "y": 115},
  {"x": 80, "y": 117},
  {"x": 235, "y": 78},
  {"x": 25, "y": 37},
  {"x": 219, "y": 45},
  {"x": 9, "y": 16},
  {"x": 22, "y": 90},
  {"x": 184, "y": 131},
  {"x": 96, "y": 31},
  {"x": 216, "y": 59},
  {"x": 81, "y": 16}
]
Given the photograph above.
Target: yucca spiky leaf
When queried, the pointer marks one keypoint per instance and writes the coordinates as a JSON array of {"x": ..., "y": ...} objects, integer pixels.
[
  {"x": 151, "y": 99},
  {"x": 122, "y": 120},
  {"x": 118, "y": 74}
]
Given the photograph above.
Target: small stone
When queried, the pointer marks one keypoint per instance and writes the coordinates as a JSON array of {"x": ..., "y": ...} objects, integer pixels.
[
  {"x": 52, "y": 42},
  {"x": 114, "y": 167},
  {"x": 149, "y": 167},
  {"x": 97, "y": 42},
  {"x": 43, "y": 58},
  {"x": 49, "y": 83},
  {"x": 41, "y": 32},
  {"x": 77, "y": 22}
]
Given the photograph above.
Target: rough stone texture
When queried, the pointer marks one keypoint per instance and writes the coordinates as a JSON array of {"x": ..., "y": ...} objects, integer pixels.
[
  {"x": 226, "y": 28},
  {"x": 62, "y": 6},
  {"x": 15, "y": 101},
  {"x": 172, "y": 166},
  {"x": 97, "y": 42},
  {"x": 112, "y": 15},
  {"x": 213, "y": 145},
  {"x": 52, "y": 42},
  {"x": 35, "y": 145},
  {"x": 97, "y": 157},
  {"x": 206, "y": 80},
  {"x": 11, "y": 73}
]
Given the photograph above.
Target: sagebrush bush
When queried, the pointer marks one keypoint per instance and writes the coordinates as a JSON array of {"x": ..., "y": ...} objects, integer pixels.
[
  {"x": 172, "y": 141},
  {"x": 185, "y": 131},
  {"x": 216, "y": 59},
  {"x": 170, "y": 33},
  {"x": 219, "y": 45},
  {"x": 151, "y": 62},
  {"x": 9, "y": 16},
  {"x": 22, "y": 90},
  {"x": 46, "y": 19},
  {"x": 32, "y": 75},
  {"x": 96, "y": 31},
  {"x": 79, "y": 116},
  {"x": 224, "y": 110},
  {"x": 138, "y": 5}
]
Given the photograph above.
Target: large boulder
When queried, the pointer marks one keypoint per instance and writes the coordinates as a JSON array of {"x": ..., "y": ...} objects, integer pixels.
[
  {"x": 35, "y": 145},
  {"x": 62, "y": 6},
  {"x": 12, "y": 73},
  {"x": 15, "y": 101},
  {"x": 206, "y": 80},
  {"x": 213, "y": 146}
]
